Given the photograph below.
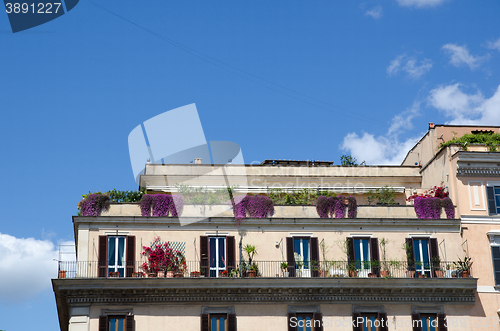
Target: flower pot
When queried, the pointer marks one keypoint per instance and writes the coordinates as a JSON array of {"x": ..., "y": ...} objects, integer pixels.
[
  {"x": 454, "y": 275},
  {"x": 439, "y": 273},
  {"x": 410, "y": 274},
  {"x": 422, "y": 276},
  {"x": 113, "y": 275},
  {"x": 464, "y": 274},
  {"x": 178, "y": 274},
  {"x": 151, "y": 274},
  {"x": 161, "y": 274},
  {"x": 353, "y": 273},
  {"x": 170, "y": 274},
  {"x": 137, "y": 275},
  {"x": 251, "y": 273},
  {"x": 323, "y": 273},
  {"x": 195, "y": 274},
  {"x": 62, "y": 274},
  {"x": 372, "y": 275},
  {"x": 286, "y": 274},
  {"x": 385, "y": 273},
  {"x": 221, "y": 274}
]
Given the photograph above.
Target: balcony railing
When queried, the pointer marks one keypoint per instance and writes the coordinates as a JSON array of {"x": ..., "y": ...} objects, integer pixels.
[{"x": 268, "y": 269}]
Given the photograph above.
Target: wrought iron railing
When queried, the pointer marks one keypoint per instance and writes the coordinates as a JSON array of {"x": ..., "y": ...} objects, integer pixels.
[{"x": 270, "y": 269}]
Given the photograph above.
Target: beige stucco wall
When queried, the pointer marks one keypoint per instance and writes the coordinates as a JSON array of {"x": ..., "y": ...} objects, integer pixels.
[{"x": 274, "y": 317}]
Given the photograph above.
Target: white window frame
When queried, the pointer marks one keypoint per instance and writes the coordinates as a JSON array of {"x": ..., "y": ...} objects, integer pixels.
[
  {"x": 115, "y": 267},
  {"x": 217, "y": 268}
]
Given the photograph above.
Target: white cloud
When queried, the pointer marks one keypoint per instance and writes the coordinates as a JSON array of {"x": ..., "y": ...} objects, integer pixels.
[
  {"x": 386, "y": 149},
  {"x": 420, "y": 3},
  {"x": 464, "y": 108},
  {"x": 460, "y": 55},
  {"x": 409, "y": 65},
  {"x": 376, "y": 12},
  {"x": 26, "y": 267},
  {"x": 494, "y": 44}
]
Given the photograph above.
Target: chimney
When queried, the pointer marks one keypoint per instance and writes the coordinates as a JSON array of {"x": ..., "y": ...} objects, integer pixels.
[
  {"x": 431, "y": 126},
  {"x": 197, "y": 160}
]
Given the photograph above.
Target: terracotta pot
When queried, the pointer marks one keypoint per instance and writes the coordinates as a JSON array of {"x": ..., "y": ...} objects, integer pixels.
[
  {"x": 161, "y": 274},
  {"x": 151, "y": 274},
  {"x": 422, "y": 276},
  {"x": 372, "y": 275},
  {"x": 464, "y": 274},
  {"x": 62, "y": 274},
  {"x": 323, "y": 273},
  {"x": 195, "y": 274},
  {"x": 136, "y": 275},
  {"x": 251, "y": 273},
  {"x": 353, "y": 273},
  {"x": 222, "y": 275},
  {"x": 439, "y": 273},
  {"x": 114, "y": 275},
  {"x": 170, "y": 274},
  {"x": 410, "y": 274},
  {"x": 178, "y": 274},
  {"x": 385, "y": 273}
]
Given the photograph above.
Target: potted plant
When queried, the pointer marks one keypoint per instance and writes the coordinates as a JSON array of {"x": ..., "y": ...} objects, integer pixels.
[
  {"x": 62, "y": 274},
  {"x": 284, "y": 269},
  {"x": 161, "y": 274},
  {"x": 463, "y": 266},
  {"x": 114, "y": 274},
  {"x": 372, "y": 275},
  {"x": 223, "y": 273},
  {"x": 436, "y": 266},
  {"x": 353, "y": 271},
  {"x": 138, "y": 274},
  {"x": 251, "y": 272},
  {"x": 299, "y": 262},
  {"x": 385, "y": 266},
  {"x": 195, "y": 274},
  {"x": 410, "y": 272}
]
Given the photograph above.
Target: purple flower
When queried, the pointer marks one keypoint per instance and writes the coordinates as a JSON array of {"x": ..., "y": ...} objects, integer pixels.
[{"x": 94, "y": 204}]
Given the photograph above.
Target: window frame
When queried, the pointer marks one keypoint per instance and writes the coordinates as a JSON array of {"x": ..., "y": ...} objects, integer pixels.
[
  {"x": 217, "y": 269},
  {"x": 116, "y": 267}
]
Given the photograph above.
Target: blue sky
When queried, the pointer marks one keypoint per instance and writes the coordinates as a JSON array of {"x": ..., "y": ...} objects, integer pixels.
[{"x": 283, "y": 79}]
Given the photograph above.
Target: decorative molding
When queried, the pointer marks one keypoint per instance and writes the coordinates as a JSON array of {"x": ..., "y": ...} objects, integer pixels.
[
  {"x": 478, "y": 172},
  {"x": 427, "y": 310},
  {"x": 304, "y": 309},
  {"x": 368, "y": 309},
  {"x": 217, "y": 310},
  {"x": 477, "y": 195}
]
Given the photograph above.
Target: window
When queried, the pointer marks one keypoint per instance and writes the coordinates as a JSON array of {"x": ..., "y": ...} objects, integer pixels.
[
  {"x": 217, "y": 253},
  {"x": 116, "y": 323},
  {"x": 422, "y": 255},
  {"x": 493, "y": 193},
  {"x": 308, "y": 249},
  {"x": 363, "y": 256},
  {"x": 370, "y": 321},
  {"x": 495, "y": 254},
  {"x": 116, "y": 255},
  {"x": 305, "y": 322},
  {"x": 218, "y": 321},
  {"x": 429, "y": 322}
]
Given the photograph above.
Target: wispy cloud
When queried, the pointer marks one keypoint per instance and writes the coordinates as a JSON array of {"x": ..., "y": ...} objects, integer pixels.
[
  {"x": 26, "y": 267},
  {"x": 409, "y": 65},
  {"x": 494, "y": 44},
  {"x": 459, "y": 55},
  {"x": 420, "y": 3},
  {"x": 385, "y": 149},
  {"x": 376, "y": 12},
  {"x": 466, "y": 108}
]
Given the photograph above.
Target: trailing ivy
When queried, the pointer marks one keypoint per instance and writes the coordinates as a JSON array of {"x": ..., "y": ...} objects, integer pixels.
[{"x": 491, "y": 140}]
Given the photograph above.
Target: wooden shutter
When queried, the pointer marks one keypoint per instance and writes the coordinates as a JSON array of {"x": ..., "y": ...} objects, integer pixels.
[
  {"x": 130, "y": 323},
  {"x": 289, "y": 318},
  {"x": 409, "y": 254},
  {"x": 205, "y": 322},
  {"x": 351, "y": 259},
  {"x": 434, "y": 255},
  {"x": 490, "y": 193},
  {"x": 315, "y": 257},
  {"x": 231, "y": 322},
  {"x": 416, "y": 322},
  {"x": 204, "y": 255},
  {"x": 384, "y": 323},
  {"x": 130, "y": 258},
  {"x": 103, "y": 256},
  {"x": 231, "y": 253},
  {"x": 103, "y": 323},
  {"x": 442, "y": 322},
  {"x": 290, "y": 258},
  {"x": 355, "y": 325},
  {"x": 318, "y": 322},
  {"x": 375, "y": 258}
]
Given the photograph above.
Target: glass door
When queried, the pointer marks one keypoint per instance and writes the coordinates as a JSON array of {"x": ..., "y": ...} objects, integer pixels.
[
  {"x": 362, "y": 256},
  {"x": 422, "y": 258},
  {"x": 217, "y": 255},
  {"x": 302, "y": 257},
  {"x": 116, "y": 255}
]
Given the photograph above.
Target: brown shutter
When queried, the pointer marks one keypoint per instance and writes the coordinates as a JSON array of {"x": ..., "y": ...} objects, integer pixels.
[
  {"x": 374, "y": 256},
  {"x": 289, "y": 317},
  {"x": 318, "y": 322},
  {"x": 490, "y": 193},
  {"x": 442, "y": 322},
  {"x": 205, "y": 322},
  {"x": 204, "y": 255},
  {"x": 350, "y": 253},
  {"x": 231, "y": 322},
  {"x": 130, "y": 256},
  {"x": 103, "y": 323},
  {"x": 355, "y": 325},
  {"x": 130, "y": 323},
  {"x": 409, "y": 254},
  {"x": 290, "y": 258},
  {"x": 416, "y": 322},
  {"x": 315, "y": 256},
  {"x": 434, "y": 255},
  {"x": 231, "y": 253},
  {"x": 384, "y": 323},
  {"x": 103, "y": 256}
]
